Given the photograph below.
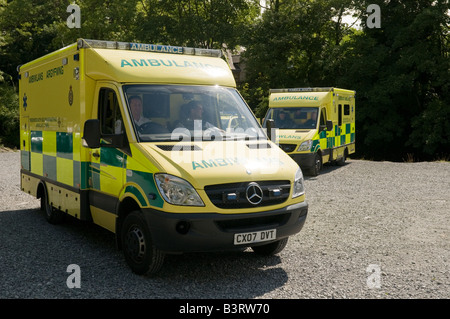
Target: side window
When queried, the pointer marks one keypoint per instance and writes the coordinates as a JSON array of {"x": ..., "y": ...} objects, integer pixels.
[
  {"x": 340, "y": 115},
  {"x": 346, "y": 109},
  {"x": 109, "y": 112}
]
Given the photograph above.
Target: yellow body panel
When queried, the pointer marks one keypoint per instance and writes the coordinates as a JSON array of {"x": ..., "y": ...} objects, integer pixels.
[
  {"x": 104, "y": 219},
  {"x": 131, "y": 66}
]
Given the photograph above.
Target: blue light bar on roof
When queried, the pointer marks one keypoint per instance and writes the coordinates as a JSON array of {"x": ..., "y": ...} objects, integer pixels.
[
  {"x": 159, "y": 48},
  {"x": 156, "y": 48},
  {"x": 317, "y": 89}
]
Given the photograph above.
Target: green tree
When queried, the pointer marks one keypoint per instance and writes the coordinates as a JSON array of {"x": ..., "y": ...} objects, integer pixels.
[
  {"x": 9, "y": 112},
  {"x": 31, "y": 29},
  {"x": 400, "y": 73},
  {"x": 196, "y": 23},
  {"x": 113, "y": 20},
  {"x": 294, "y": 44},
  {"x": 28, "y": 28}
]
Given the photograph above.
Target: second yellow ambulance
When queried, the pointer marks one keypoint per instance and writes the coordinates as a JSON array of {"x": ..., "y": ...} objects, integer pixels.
[{"x": 314, "y": 125}]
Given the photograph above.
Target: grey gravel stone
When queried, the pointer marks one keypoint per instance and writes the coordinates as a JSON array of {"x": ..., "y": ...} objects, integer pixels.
[{"x": 367, "y": 221}]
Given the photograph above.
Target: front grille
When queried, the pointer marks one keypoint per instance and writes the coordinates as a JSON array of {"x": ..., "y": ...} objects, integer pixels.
[
  {"x": 233, "y": 195},
  {"x": 288, "y": 147},
  {"x": 179, "y": 147},
  {"x": 259, "y": 146}
]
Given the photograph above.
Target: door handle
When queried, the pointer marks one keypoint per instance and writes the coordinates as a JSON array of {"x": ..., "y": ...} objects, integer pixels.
[{"x": 96, "y": 154}]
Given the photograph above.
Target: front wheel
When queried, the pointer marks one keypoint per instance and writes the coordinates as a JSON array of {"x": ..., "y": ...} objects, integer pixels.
[
  {"x": 140, "y": 253},
  {"x": 272, "y": 248},
  {"x": 314, "y": 170}
]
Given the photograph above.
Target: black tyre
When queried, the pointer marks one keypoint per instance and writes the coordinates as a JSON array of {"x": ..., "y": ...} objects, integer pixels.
[
  {"x": 341, "y": 161},
  {"x": 52, "y": 215},
  {"x": 140, "y": 253},
  {"x": 314, "y": 171},
  {"x": 272, "y": 248}
]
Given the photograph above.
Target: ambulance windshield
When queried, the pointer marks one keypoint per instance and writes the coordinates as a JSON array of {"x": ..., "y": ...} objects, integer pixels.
[
  {"x": 293, "y": 117},
  {"x": 181, "y": 112}
]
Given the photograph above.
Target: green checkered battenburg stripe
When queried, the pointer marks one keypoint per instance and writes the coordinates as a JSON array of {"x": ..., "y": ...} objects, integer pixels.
[
  {"x": 339, "y": 136},
  {"x": 52, "y": 156}
]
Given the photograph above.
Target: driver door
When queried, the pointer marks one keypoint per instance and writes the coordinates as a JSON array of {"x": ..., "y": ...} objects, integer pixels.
[
  {"x": 106, "y": 163},
  {"x": 324, "y": 136}
]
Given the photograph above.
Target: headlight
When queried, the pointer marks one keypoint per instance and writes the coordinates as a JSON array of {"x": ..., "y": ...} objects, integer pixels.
[
  {"x": 299, "y": 186},
  {"x": 305, "y": 146},
  {"x": 177, "y": 191}
]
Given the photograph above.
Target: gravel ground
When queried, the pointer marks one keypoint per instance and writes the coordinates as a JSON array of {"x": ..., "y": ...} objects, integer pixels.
[{"x": 374, "y": 230}]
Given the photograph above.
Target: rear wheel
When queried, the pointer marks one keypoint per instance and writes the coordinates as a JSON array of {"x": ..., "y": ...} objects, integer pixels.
[
  {"x": 52, "y": 215},
  {"x": 272, "y": 248},
  {"x": 140, "y": 253},
  {"x": 341, "y": 161}
]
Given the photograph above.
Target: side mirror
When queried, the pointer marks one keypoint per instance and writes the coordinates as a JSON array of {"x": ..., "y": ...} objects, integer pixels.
[
  {"x": 269, "y": 125},
  {"x": 92, "y": 133},
  {"x": 329, "y": 125}
]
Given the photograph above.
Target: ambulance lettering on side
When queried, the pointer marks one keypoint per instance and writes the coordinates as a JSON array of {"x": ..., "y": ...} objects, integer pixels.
[
  {"x": 314, "y": 125},
  {"x": 155, "y": 144}
]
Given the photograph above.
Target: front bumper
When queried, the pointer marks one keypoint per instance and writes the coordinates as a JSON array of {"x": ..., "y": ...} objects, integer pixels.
[
  {"x": 305, "y": 161},
  {"x": 206, "y": 232}
]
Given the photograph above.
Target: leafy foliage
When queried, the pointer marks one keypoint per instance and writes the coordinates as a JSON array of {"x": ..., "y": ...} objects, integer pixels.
[
  {"x": 402, "y": 77},
  {"x": 9, "y": 113},
  {"x": 400, "y": 71}
]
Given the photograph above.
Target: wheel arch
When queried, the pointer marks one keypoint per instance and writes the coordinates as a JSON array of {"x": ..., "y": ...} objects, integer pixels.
[
  {"x": 126, "y": 206},
  {"x": 41, "y": 189},
  {"x": 41, "y": 192}
]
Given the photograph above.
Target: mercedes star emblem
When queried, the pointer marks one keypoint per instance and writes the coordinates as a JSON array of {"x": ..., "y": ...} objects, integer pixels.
[{"x": 254, "y": 193}]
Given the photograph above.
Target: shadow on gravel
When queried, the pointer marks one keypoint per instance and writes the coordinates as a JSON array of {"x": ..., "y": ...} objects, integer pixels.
[
  {"x": 224, "y": 275},
  {"x": 326, "y": 169},
  {"x": 30, "y": 245}
]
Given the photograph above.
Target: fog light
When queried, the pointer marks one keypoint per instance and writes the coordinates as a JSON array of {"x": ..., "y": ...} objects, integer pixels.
[{"x": 182, "y": 227}]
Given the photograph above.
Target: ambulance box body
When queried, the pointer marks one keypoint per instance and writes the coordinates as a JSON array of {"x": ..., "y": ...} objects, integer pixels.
[
  {"x": 155, "y": 144},
  {"x": 314, "y": 125}
]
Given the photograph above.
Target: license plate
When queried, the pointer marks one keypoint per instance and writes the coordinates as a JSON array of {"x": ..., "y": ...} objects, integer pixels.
[{"x": 255, "y": 237}]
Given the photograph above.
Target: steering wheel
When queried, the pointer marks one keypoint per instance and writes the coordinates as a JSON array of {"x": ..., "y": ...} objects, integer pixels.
[{"x": 152, "y": 128}]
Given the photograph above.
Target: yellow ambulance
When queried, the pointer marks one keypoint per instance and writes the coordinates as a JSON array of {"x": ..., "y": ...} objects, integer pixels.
[
  {"x": 314, "y": 125},
  {"x": 134, "y": 137}
]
